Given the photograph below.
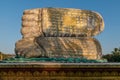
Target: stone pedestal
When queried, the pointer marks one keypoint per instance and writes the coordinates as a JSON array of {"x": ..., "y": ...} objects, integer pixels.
[{"x": 59, "y": 71}]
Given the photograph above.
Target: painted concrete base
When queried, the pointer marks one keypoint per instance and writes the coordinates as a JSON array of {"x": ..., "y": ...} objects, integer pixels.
[{"x": 59, "y": 71}]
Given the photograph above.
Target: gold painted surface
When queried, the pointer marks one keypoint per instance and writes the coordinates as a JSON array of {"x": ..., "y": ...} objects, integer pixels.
[{"x": 73, "y": 21}]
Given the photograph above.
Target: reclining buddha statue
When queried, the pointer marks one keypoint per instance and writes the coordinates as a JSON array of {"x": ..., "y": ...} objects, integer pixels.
[{"x": 60, "y": 32}]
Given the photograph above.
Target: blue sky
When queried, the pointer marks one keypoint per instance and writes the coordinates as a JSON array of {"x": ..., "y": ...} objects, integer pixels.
[{"x": 11, "y": 12}]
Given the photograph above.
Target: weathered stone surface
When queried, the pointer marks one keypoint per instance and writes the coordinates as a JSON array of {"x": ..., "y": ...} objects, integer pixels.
[
  {"x": 60, "y": 32},
  {"x": 57, "y": 21},
  {"x": 60, "y": 47},
  {"x": 27, "y": 48}
]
